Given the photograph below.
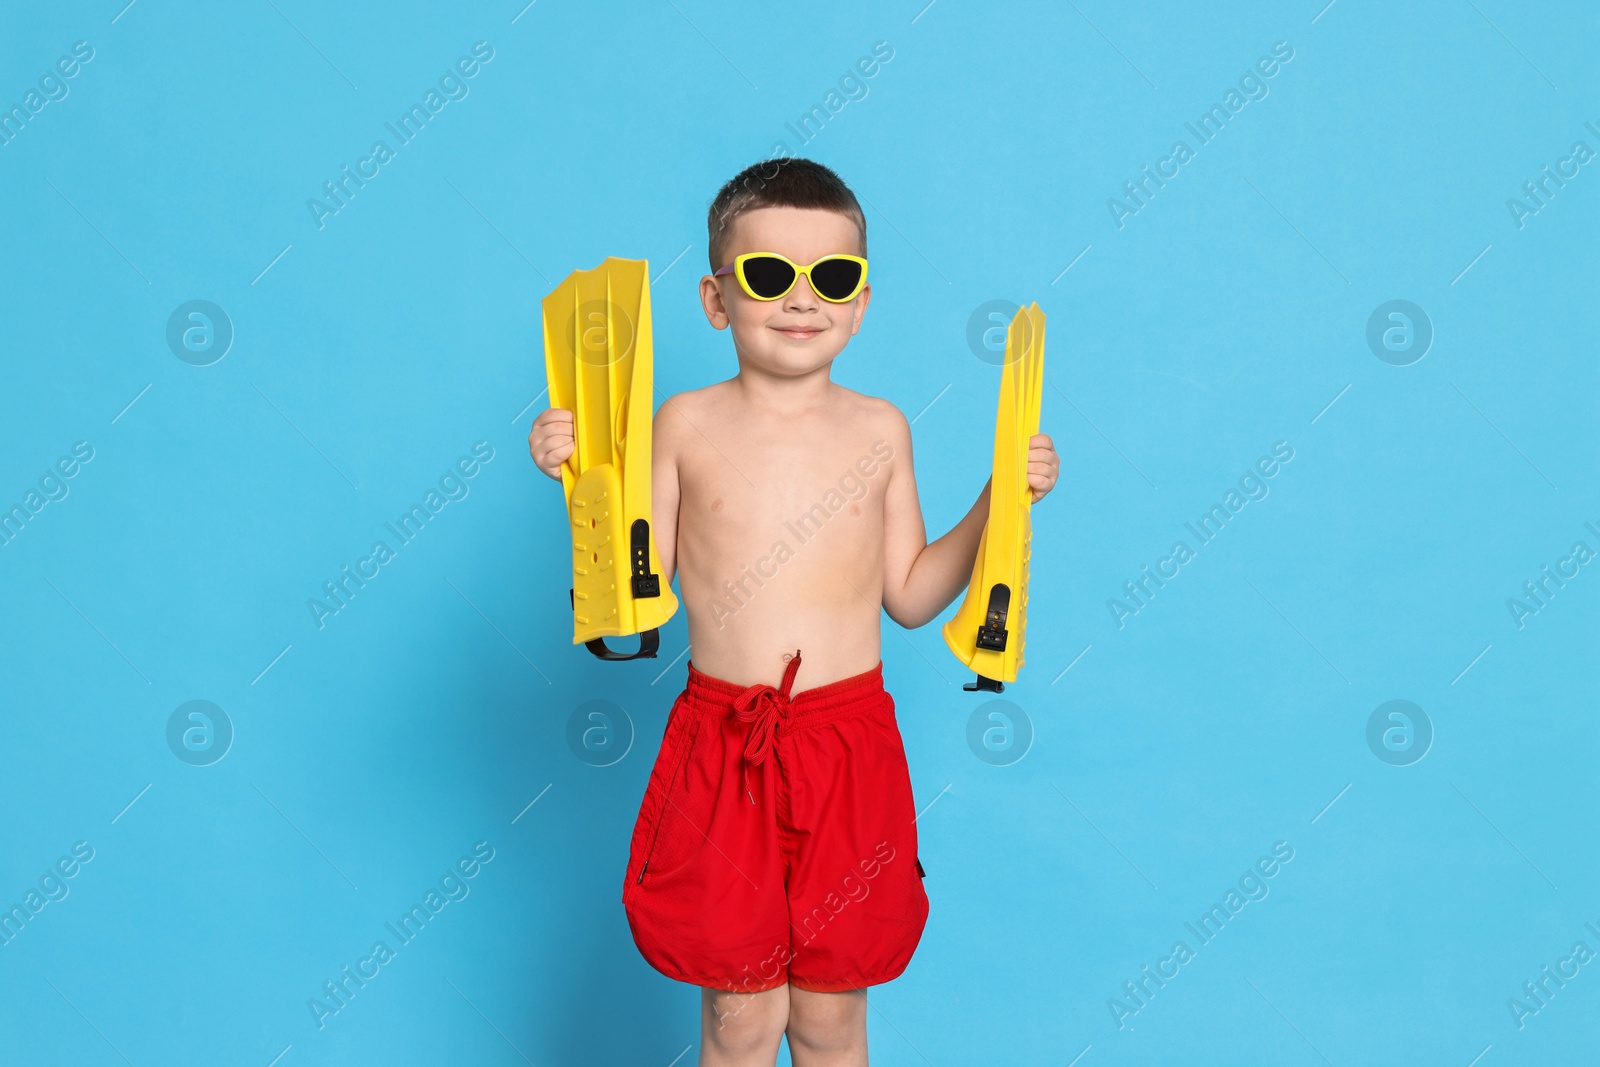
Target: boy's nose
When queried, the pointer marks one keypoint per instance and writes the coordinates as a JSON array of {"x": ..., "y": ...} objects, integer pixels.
[{"x": 802, "y": 295}]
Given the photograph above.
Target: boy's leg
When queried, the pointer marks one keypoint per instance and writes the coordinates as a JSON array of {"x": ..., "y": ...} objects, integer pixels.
[
  {"x": 742, "y": 1029},
  {"x": 827, "y": 1029}
]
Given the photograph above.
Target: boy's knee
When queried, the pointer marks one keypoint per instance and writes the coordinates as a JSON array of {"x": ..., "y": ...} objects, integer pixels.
[
  {"x": 744, "y": 1022},
  {"x": 824, "y": 1022}
]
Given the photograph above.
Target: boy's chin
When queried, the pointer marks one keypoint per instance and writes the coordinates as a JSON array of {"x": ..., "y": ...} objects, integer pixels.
[{"x": 781, "y": 357}]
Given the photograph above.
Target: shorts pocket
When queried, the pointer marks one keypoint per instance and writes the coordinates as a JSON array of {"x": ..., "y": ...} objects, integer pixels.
[
  {"x": 663, "y": 792},
  {"x": 888, "y": 724}
]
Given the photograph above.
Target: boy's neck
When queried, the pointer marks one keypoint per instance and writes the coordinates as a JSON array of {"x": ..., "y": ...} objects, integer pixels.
[{"x": 782, "y": 394}]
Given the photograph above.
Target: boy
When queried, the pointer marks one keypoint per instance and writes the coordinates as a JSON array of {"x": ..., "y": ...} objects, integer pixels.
[{"x": 774, "y": 860}]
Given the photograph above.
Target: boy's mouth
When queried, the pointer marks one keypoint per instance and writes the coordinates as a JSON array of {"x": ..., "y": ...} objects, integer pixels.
[{"x": 799, "y": 333}]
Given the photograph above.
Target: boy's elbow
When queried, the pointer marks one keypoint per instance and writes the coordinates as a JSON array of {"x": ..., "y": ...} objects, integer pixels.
[{"x": 897, "y": 610}]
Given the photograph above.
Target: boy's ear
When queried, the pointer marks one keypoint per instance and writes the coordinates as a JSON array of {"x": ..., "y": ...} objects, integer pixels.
[
  {"x": 711, "y": 302},
  {"x": 862, "y": 299}
]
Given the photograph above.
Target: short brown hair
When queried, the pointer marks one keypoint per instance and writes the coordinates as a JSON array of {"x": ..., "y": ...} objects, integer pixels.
[{"x": 781, "y": 182}]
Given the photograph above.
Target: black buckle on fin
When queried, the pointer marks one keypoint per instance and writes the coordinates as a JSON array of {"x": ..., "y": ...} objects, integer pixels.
[
  {"x": 992, "y": 635},
  {"x": 645, "y": 584}
]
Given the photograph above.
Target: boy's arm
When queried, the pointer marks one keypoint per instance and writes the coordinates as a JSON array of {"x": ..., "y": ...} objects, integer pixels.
[
  {"x": 664, "y": 490},
  {"x": 920, "y": 579}
]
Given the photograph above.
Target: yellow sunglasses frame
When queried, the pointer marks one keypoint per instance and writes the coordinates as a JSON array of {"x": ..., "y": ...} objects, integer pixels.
[{"x": 736, "y": 268}]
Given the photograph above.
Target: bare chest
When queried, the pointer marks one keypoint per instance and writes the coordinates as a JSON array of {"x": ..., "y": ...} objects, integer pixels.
[{"x": 748, "y": 487}]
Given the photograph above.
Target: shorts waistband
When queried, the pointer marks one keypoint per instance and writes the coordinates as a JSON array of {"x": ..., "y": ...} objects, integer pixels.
[
  {"x": 714, "y": 696},
  {"x": 775, "y": 711}
]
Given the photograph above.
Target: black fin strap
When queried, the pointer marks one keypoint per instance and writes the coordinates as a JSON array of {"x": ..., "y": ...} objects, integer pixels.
[{"x": 649, "y": 642}]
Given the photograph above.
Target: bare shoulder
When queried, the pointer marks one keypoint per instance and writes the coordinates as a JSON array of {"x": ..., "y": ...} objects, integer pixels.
[
  {"x": 681, "y": 412},
  {"x": 887, "y": 422}
]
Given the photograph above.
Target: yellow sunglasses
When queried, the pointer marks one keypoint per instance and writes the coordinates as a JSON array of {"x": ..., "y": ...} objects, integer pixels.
[{"x": 838, "y": 278}]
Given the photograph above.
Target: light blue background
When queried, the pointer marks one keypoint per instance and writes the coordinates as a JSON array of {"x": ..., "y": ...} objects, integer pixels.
[{"x": 1229, "y": 714}]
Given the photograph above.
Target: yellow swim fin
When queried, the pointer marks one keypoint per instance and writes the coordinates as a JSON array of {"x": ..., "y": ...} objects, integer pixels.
[
  {"x": 986, "y": 632},
  {"x": 599, "y": 361}
]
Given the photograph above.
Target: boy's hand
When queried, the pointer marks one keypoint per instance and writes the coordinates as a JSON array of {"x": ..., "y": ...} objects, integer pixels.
[
  {"x": 1043, "y": 465},
  {"x": 551, "y": 440}
]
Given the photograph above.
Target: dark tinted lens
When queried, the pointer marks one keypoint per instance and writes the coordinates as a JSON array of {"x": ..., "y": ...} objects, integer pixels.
[
  {"x": 767, "y": 276},
  {"x": 835, "y": 279}
]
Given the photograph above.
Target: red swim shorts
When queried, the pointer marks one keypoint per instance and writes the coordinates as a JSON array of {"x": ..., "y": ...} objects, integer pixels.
[{"x": 777, "y": 839}]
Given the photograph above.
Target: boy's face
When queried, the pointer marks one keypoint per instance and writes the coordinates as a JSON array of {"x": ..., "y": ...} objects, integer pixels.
[{"x": 799, "y": 331}]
